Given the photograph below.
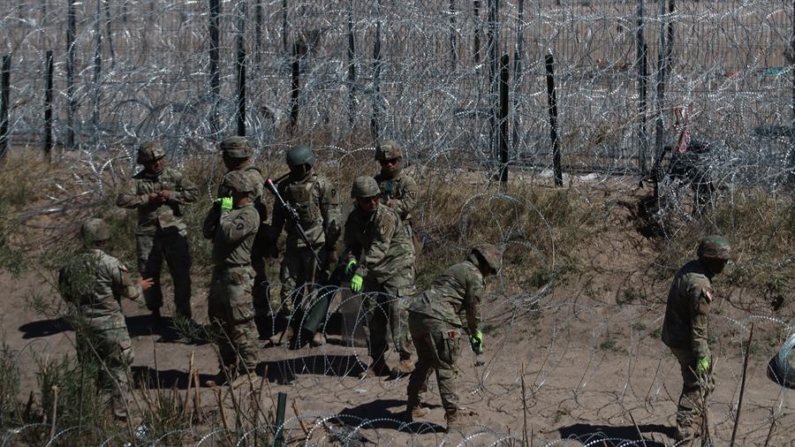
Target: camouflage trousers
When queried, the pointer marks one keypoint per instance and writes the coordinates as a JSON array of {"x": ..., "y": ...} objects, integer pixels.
[
  {"x": 171, "y": 245},
  {"x": 695, "y": 390},
  {"x": 438, "y": 346},
  {"x": 232, "y": 317},
  {"x": 105, "y": 342},
  {"x": 301, "y": 279},
  {"x": 261, "y": 289},
  {"x": 386, "y": 311}
]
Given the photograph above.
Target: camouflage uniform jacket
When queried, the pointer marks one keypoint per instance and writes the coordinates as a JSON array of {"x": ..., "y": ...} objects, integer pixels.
[
  {"x": 93, "y": 284},
  {"x": 379, "y": 242},
  {"x": 399, "y": 193},
  {"x": 454, "y": 296},
  {"x": 317, "y": 203},
  {"x": 685, "y": 324},
  {"x": 233, "y": 235},
  {"x": 154, "y": 217}
]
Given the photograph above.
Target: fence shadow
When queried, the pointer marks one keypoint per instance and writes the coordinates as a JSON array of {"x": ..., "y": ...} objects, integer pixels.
[
  {"x": 287, "y": 371},
  {"x": 590, "y": 433},
  {"x": 385, "y": 413}
]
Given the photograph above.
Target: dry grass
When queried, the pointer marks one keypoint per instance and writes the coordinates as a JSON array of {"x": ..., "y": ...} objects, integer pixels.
[{"x": 542, "y": 229}]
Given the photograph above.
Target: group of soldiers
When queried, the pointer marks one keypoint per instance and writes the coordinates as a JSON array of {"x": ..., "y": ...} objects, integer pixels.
[{"x": 374, "y": 250}]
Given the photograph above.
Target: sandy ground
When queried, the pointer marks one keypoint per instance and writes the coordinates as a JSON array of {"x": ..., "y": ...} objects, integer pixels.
[{"x": 581, "y": 362}]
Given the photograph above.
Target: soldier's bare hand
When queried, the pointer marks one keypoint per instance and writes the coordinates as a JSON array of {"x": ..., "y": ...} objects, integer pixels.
[
  {"x": 154, "y": 197},
  {"x": 146, "y": 284},
  {"x": 164, "y": 195}
]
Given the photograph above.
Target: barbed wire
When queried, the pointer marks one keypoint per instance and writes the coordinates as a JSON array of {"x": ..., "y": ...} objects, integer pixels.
[
  {"x": 141, "y": 72},
  {"x": 731, "y": 59}
]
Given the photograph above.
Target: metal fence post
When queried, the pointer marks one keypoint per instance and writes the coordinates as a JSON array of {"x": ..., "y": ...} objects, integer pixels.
[
  {"x": 5, "y": 94},
  {"x": 552, "y": 100}
]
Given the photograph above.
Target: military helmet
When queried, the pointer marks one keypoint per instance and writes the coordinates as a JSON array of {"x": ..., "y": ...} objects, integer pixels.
[
  {"x": 94, "y": 230},
  {"x": 238, "y": 181},
  {"x": 364, "y": 187},
  {"x": 299, "y": 155},
  {"x": 150, "y": 151},
  {"x": 236, "y": 147},
  {"x": 714, "y": 247},
  {"x": 489, "y": 253},
  {"x": 387, "y": 150}
]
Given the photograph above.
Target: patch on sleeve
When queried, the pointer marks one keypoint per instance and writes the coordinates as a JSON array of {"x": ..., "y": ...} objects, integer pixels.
[
  {"x": 413, "y": 194},
  {"x": 240, "y": 226},
  {"x": 333, "y": 192}
]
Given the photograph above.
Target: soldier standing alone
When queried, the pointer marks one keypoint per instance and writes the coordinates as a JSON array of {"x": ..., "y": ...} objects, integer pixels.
[
  {"x": 381, "y": 262},
  {"x": 439, "y": 319},
  {"x": 158, "y": 193},
  {"x": 685, "y": 330},
  {"x": 316, "y": 204},
  {"x": 233, "y": 229},
  {"x": 93, "y": 284}
]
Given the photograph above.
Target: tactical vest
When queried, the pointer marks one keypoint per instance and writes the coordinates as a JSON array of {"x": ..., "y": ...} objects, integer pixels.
[{"x": 305, "y": 197}]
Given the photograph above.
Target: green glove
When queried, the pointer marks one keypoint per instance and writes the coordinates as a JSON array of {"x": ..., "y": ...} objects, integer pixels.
[
  {"x": 356, "y": 283},
  {"x": 226, "y": 203},
  {"x": 350, "y": 267},
  {"x": 702, "y": 366},
  {"x": 476, "y": 341}
]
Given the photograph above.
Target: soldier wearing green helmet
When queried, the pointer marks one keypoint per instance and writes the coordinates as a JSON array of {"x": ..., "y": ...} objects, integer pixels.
[
  {"x": 315, "y": 203},
  {"x": 236, "y": 152},
  {"x": 439, "y": 319},
  {"x": 381, "y": 264},
  {"x": 159, "y": 193},
  {"x": 685, "y": 331},
  {"x": 93, "y": 283}
]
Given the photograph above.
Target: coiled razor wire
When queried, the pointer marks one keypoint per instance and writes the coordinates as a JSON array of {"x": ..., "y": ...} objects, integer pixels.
[
  {"x": 732, "y": 61},
  {"x": 141, "y": 72}
]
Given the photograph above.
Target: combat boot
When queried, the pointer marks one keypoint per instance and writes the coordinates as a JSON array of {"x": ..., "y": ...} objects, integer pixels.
[
  {"x": 414, "y": 412},
  {"x": 281, "y": 337},
  {"x": 461, "y": 418},
  {"x": 686, "y": 432},
  {"x": 378, "y": 368},
  {"x": 223, "y": 377},
  {"x": 404, "y": 368},
  {"x": 318, "y": 340}
]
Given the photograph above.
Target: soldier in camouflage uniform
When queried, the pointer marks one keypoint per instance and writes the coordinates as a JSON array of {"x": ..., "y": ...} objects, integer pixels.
[
  {"x": 233, "y": 229},
  {"x": 236, "y": 152},
  {"x": 398, "y": 190},
  {"x": 93, "y": 284},
  {"x": 438, "y": 319},
  {"x": 685, "y": 330},
  {"x": 381, "y": 259},
  {"x": 316, "y": 202},
  {"x": 159, "y": 193}
]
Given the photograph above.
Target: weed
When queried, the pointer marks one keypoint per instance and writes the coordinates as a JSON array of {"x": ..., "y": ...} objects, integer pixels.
[
  {"x": 10, "y": 414},
  {"x": 70, "y": 398},
  {"x": 611, "y": 345},
  {"x": 631, "y": 295}
]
